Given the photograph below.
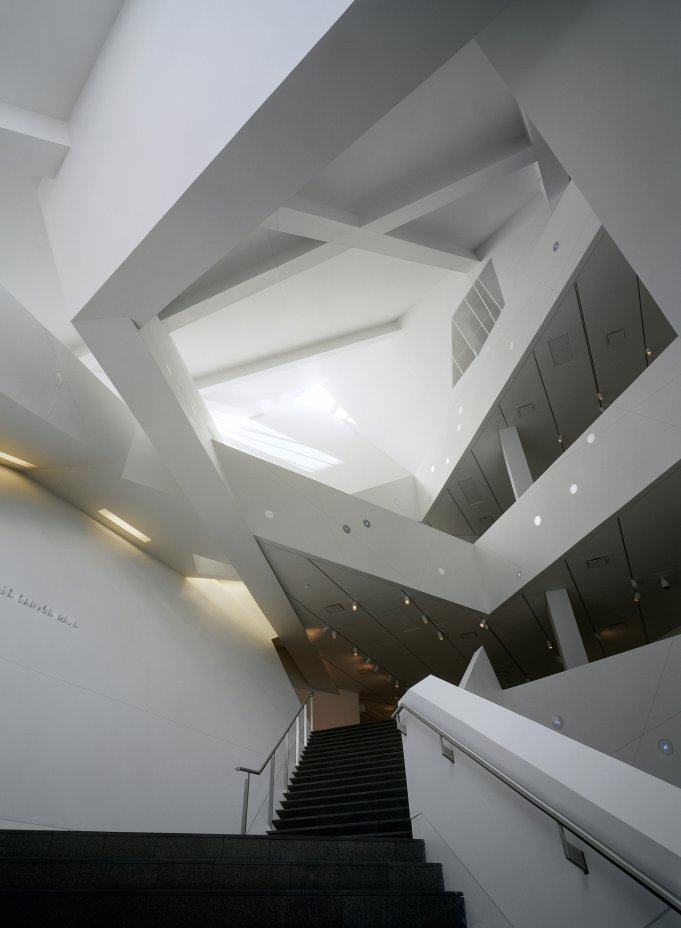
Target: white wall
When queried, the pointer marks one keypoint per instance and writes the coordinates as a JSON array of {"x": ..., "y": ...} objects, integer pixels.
[
  {"x": 27, "y": 268},
  {"x": 136, "y": 718},
  {"x": 172, "y": 85},
  {"x": 621, "y": 705},
  {"x": 505, "y": 854}
]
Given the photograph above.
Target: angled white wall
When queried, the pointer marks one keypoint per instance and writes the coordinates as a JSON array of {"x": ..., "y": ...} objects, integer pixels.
[
  {"x": 503, "y": 852},
  {"x": 135, "y": 716}
]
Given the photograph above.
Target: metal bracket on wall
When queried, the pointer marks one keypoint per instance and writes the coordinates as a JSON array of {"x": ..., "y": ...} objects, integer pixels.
[
  {"x": 447, "y": 750},
  {"x": 401, "y": 727},
  {"x": 572, "y": 852}
]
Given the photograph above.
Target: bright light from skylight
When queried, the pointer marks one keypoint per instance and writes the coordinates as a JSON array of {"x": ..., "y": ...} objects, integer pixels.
[
  {"x": 319, "y": 398},
  {"x": 243, "y": 432}
]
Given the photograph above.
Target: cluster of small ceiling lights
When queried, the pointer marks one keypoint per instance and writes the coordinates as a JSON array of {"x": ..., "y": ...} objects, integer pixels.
[{"x": 370, "y": 664}]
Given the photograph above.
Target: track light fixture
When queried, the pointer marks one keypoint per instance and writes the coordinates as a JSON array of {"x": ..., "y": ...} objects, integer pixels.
[
  {"x": 634, "y": 583},
  {"x": 397, "y": 684},
  {"x": 549, "y": 645},
  {"x": 333, "y": 634},
  {"x": 354, "y": 651},
  {"x": 484, "y": 623},
  {"x": 407, "y": 601},
  {"x": 637, "y": 597},
  {"x": 355, "y": 607},
  {"x": 440, "y": 636},
  {"x": 424, "y": 619}
]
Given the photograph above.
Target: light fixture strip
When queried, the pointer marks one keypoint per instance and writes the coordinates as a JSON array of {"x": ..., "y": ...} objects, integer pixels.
[
  {"x": 17, "y": 462},
  {"x": 121, "y": 523}
]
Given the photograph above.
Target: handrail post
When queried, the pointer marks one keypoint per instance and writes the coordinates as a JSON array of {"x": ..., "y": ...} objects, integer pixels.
[
  {"x": 270, "y": 797},
  {"x": 244, "y": 810},
  {"x": 312, "y": 713},
  {"x": 297, "y": 737}
]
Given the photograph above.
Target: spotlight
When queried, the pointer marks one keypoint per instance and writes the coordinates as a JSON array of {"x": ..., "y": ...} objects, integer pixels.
[
  {"x": 376, "y": 668},
  {"x": 549, "y": 645},
  {"x": 354, "y": 651},
  {"x": 634, "y": 583},
  {"x": 397, "y": 684},
  {"x": 483, "y": 623},
  {"x": 333, "y": 634},
  {"x": 355, "y": 607},
  {"x": 424, "y": 619},
  {"x": 649, "y": 352},
  {"x": 407, "y": 601},
  {"x": 664, "y": 583},
  {"x": 637, "y": 597},
  {"x": 560, "y": 439},
  {"x": 440, "y": 636}
]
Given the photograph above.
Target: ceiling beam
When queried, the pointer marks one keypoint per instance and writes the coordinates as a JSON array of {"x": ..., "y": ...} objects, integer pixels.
[
  {"x": 312, "y": 220},
  {"x": 399, "y": 211},
  {"x": 32, "y": 142},
  {"x": 313, "y": 350}
]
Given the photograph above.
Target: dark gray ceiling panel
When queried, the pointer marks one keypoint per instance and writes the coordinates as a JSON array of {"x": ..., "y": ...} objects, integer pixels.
[
  {"x": 487, "y": 451},
  {"x": 446, "y": 516},
  {"x": 472, "y": 494},
  {"x": 657, "y": 329},
  {"x": 600, "y": 570},
  {"x": 608, "y": 292},
  {"x": 563, "y": 358},
  {"x": 524, "y": 404},
  {"x": 651, "y": 526}
]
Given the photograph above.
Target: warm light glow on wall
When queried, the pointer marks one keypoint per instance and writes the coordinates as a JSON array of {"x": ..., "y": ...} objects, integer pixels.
[
  {"x": 121, "y": 523},
  {"x": 17, "y": 462}
]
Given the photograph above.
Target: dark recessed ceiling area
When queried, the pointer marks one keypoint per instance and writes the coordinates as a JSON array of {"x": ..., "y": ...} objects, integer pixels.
[
  {"x": 603, "y": 332},
  {"x": 642, "y": 542}
]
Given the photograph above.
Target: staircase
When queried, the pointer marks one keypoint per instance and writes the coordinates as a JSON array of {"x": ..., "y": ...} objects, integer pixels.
[
  {"x": 349, "y": 781},
  {"x": 341, "y": 855}
]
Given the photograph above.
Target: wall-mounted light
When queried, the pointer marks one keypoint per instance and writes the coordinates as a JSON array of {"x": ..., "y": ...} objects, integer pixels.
[
  {"x": 15, "y": 462},
  {"x": 121, "y": 523}
]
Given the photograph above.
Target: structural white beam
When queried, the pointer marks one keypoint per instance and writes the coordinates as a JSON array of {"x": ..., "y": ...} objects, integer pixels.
[
  {"x": 514, "y": 458},
  {"x": 32, "y": 142},
  {"x": 391, "y": 215},
  {"x": 313, "y": 350},
  {"x": 311, "y": 220},
  {"x": 565, "y": 629}
]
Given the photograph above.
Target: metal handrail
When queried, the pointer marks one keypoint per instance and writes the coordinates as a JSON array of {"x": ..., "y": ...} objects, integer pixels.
[
  {"x": 661, "y": 892},
  {"x": 270, "y": 760}
]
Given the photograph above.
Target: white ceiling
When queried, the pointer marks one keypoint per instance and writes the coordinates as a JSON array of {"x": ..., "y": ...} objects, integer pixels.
[
  {"x": 48, "y": 48},
  {"x": 355, "y": 290},
  {"x": 473, "y": 219},
  {"x": 455, "y": 118}
]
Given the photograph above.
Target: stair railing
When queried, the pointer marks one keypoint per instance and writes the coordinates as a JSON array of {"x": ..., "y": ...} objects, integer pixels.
[
  {"x": 572, "y": 853},
  {"x": 303, "y": 727}
]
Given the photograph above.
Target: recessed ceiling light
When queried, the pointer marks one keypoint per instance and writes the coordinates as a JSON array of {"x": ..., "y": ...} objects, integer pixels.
[
  {"x": 665, "y": 746},
  {"x": 558, "y": 722},
  {"x": 511, "y": 346},
  {"x": 518, "y": 574},
  {"x": 269, "y": 514},
  {"x": 346, "y": 529},
  {"x": 366, "y": 523},
  {"x": 432, "y": 468},
  {"x": 446, "y": 460},
  {"x": 17, "y": 462},
  {"x": 591, "y": 438},
  {"x": 573, "y": 488},
  {"x": 121, "y": 523},
  {"x": 441, "y": 571},
  {"x": 556, "y": 246},
  {"x": 397, "y": 502},
  {"x": 458, "y": 428},
  {"x": 537, "y": 520}
]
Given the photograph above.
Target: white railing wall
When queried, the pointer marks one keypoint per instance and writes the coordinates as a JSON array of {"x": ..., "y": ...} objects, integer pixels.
[{"x": 505, "y": 853}]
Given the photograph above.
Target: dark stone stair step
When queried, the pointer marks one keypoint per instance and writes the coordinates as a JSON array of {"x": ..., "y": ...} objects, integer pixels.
[
  {"x": 377, "y": 795},
  {"x": 391, "y": 802},
  {"x": 217, "y": 909},
  {"x": 369, "y": 826}
]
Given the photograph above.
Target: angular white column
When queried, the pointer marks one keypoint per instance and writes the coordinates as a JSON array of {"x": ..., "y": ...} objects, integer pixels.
[
  {"x": 515, "y": 460},
  {"x": 565, "y": 629}
]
